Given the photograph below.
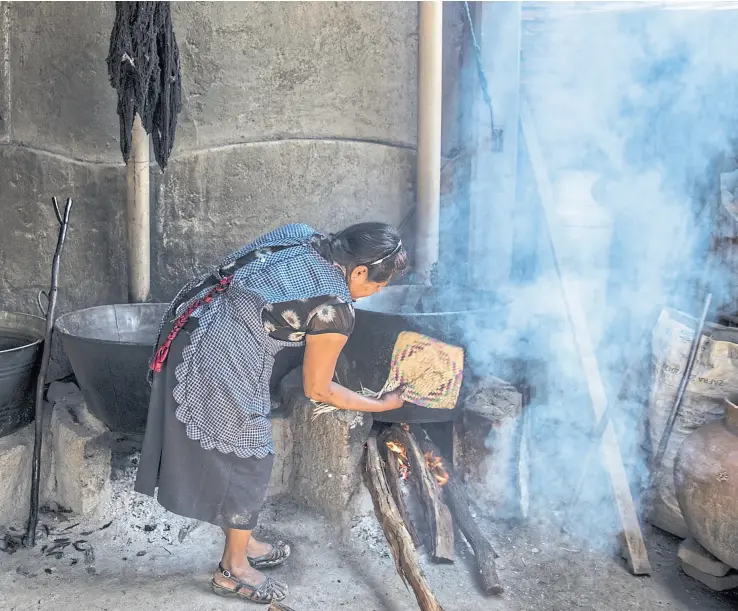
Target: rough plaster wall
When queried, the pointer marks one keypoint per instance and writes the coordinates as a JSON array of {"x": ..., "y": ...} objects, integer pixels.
[{"x": 292, "y": 112}]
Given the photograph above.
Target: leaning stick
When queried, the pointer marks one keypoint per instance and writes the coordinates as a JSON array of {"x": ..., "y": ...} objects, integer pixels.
[
  {"x": 30, "y": 538},
  {"x": 683, "y": 382},
  {"x": 634, "y": 547}
]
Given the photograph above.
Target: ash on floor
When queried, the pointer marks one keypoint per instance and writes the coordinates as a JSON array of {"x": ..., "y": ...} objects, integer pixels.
[{"x": 140, "y": 556}]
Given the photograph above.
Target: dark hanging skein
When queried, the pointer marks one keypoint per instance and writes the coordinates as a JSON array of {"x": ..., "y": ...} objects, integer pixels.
[{"x": 143, "y": 66}]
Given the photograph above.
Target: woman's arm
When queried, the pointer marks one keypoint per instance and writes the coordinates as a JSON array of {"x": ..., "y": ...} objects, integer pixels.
[{"x": 318, "y": 368}]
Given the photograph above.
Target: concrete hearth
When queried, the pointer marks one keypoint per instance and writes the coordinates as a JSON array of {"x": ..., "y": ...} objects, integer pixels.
[
  {"x": 317, "y": 463},
  {"x": 319, "y": 466},
  {"x": 75, "y": 460},
  {"x": 327, "y": 453}
]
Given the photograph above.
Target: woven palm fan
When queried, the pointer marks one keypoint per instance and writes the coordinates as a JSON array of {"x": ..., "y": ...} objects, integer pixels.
[{"x": 429, "y": 372}]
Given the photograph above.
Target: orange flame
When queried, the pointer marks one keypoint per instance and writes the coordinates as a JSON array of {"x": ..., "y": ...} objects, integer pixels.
[
  {"x": 435, "y": 464},
  {"x": 399, "y": 450}
]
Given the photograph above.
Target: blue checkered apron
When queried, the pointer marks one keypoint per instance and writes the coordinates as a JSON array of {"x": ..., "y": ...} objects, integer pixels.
[{"x": 222, "y": 390}]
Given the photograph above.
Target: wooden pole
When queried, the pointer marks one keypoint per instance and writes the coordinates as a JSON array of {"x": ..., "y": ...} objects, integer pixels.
[
  {"x": 631, "y": 537},
  {"x": 430, "y": 94},
  {"x": 138, "y": 216}
]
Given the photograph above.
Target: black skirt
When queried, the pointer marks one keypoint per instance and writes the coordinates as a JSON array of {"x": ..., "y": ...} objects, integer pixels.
[{"x": 205, "y": 485}]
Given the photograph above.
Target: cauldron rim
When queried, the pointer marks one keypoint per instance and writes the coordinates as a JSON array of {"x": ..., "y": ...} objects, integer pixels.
[
  {"x": 63, "y": 329},
  {"x": 407, "y": 288},
  {"x": 39, "y": 335}
]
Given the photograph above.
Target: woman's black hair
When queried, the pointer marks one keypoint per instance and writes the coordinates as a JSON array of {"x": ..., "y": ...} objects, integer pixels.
[{"x": 376, "y": 245}]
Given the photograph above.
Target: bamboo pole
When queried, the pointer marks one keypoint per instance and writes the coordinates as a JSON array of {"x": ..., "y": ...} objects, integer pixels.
[
  {"x": 430, "y": 93},
  {"x": 138, "y": 216}
]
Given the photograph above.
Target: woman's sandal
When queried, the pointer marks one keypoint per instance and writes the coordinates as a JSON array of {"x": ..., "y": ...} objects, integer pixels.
[
  {"x": 280, "y": 552},
  {"x": 266, "y": 592}
]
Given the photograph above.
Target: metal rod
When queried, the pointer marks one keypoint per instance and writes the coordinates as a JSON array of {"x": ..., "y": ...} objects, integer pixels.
[
  {"x": 607, "y": 416},
  {"x": 625, "y": 386},
  {"x": 30, "y": 538},
  {"x": 430, "y": 93},
  {"x": 694, "y": 348}
]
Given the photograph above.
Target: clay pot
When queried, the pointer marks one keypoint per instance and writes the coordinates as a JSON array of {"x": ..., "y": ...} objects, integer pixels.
[{"x": 706, "y": 480}]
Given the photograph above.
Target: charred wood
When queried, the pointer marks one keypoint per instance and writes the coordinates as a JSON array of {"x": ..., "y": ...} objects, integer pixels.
[
  {"x": 393, "y": 480},
  {"x": 398, "y": 538},
  {"x": 458, "y": 501},
  {"x": 437, "y": 514}
]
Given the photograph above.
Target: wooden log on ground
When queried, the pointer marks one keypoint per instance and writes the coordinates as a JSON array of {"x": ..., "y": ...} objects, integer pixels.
[
  {"x": 393, "y": 479},
  {"x": 436, "y": 511},
  {"x": 458, "y": 501},
  {"x": 631, "y": 537},
  {"x": 399, "y": 540}
]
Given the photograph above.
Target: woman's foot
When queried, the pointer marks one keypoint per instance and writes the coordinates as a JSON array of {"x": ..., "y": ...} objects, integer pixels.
[
  {"x": 258, "y": 548},
  {"x": 265, "y": 555},
  {"x": 246, "y": 582}
]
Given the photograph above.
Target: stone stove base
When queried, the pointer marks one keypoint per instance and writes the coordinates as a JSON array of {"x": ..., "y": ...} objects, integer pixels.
[{"x": 318, "y": 462}]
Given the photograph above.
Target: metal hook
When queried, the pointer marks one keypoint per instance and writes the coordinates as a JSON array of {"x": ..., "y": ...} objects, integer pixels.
[{"x": 38, "y": 301}]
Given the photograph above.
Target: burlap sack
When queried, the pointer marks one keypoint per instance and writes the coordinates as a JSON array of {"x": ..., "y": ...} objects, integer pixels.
[{"x": 715, "y": 375}]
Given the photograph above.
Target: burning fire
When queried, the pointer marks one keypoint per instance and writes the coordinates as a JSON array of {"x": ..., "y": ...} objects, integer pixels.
[
  {"x": 399, "y": 450},
  {"x": 435, "y": 464}
]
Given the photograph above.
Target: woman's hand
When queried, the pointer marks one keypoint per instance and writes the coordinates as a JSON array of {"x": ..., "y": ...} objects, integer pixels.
[
  {"x": 318, "y": 367},
  {"x": 392, "y": 400}
]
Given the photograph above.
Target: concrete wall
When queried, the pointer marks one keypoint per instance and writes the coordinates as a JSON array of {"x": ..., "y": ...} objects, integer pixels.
[{"x": 291, "y": 112}]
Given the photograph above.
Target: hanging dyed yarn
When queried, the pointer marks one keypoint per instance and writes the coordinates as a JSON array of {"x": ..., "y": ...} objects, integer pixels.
[{"x": 143, "y": 66}]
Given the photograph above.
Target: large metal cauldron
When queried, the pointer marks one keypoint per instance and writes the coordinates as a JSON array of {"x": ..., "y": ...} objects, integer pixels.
[
  {"x": 21, "y": 338},
  {"x": 109, "y": 349},
  {"x": 383, "y": 316}
]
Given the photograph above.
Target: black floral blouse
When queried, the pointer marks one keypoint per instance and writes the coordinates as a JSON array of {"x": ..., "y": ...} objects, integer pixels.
[{"x": 291, "y": 320}]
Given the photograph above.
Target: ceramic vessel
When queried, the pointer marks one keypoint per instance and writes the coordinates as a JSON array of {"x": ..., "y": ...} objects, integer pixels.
[{"x": 706, "y": 481}]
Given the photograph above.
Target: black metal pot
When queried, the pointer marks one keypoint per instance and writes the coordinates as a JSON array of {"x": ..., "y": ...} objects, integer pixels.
[
  {"x": 383, "y": 316},
  {"x": 21, "y": 338},
  {"x": 109, "y": 349}
]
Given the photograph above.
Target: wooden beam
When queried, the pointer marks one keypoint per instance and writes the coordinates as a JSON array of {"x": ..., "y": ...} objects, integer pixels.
[
  {"x": 403, "y": 550},
  {"x": 430, "y": 96},
  {"x": 138, "y": 222},
  {"x": 634, "y": 548}
]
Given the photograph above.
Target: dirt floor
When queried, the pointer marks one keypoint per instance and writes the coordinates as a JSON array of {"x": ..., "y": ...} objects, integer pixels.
[
  {"x": 135, "y": 555},
  {"x": 145, "y": 558}
]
